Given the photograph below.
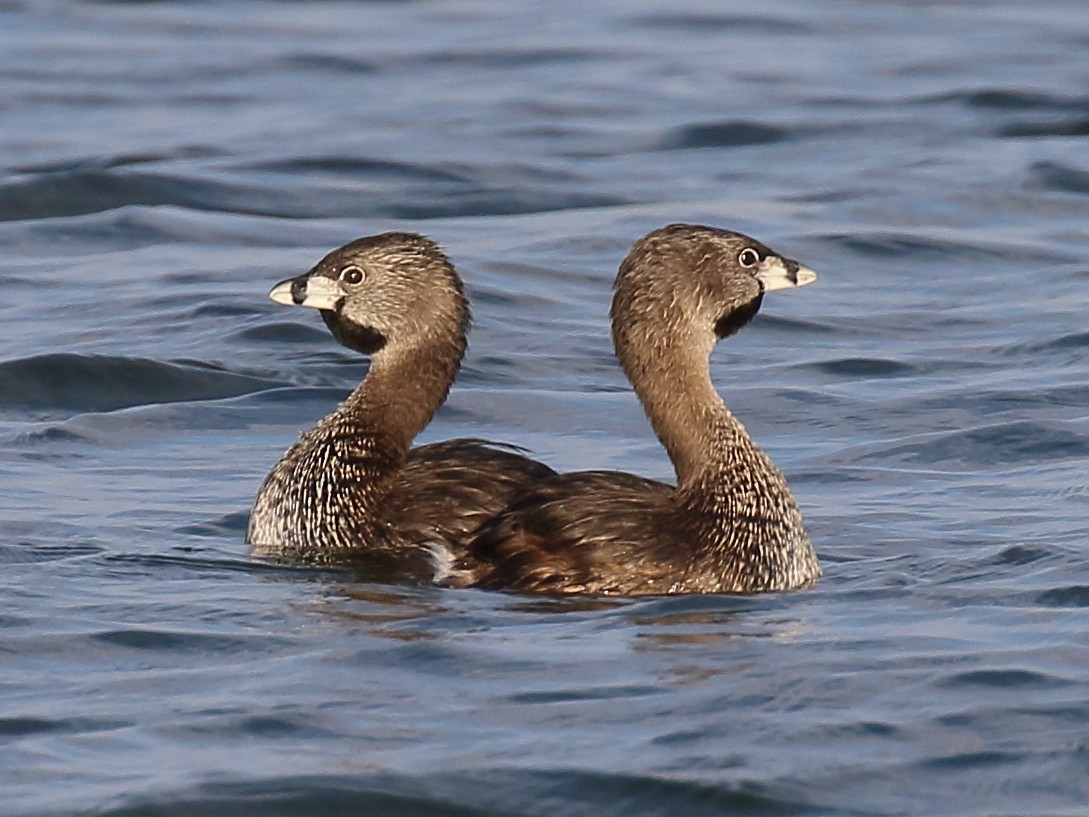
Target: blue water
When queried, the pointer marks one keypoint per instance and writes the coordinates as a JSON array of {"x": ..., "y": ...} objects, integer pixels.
[{"x": 165, "y": 163}]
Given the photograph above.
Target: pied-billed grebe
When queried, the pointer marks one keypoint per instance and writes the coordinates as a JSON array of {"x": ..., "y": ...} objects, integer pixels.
[
  {"x": 731, "y": 524},
  {"x": 351, "y": 484}
]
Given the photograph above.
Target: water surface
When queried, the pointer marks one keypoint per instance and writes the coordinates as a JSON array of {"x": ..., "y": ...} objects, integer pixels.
[{"x": 165, "y": 163}]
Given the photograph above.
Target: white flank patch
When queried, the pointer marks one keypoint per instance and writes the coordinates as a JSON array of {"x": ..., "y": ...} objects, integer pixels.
[{"x": 443, "y": 560}]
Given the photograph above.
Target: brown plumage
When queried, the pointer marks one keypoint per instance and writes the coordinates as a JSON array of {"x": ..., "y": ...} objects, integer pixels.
[
  {"x": 352, "y": 485},
  {"x": 731, "y": 524}
]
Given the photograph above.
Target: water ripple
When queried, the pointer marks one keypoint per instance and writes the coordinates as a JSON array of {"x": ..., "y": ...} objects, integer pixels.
[
  {"x": 723, "y": 134},
  {"x": 1059, "y": 178},
  {"x": 158, "y": 640},
  {"x": 14, "y": 727},
  {"x": 471, "y": 792},
  {"x": 1018, "y": 442},
  {"x": 1012, "y": 99},
  {"x": 79, "y": 383},
  {"x": 1076, "y": 595},
  {"x": 83, "y": 191},
  {"x": 1001, "y": 679},
  {"x": 855, "y": 367},
  {"x": 704, "y": 23}
]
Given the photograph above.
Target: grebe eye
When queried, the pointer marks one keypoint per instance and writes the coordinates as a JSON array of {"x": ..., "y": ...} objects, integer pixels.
[
  {"x": 352, "y": 275},
  {"x": 748, "y": 257}
]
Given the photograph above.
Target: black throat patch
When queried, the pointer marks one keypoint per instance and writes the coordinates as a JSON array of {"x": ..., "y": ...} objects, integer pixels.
[
  {"x": 361, "y": 338},
  {"x": 738, "y": 317}
]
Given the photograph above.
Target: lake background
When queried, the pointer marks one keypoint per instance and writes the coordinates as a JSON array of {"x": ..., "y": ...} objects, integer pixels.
[{"x": 165, "y": 163}]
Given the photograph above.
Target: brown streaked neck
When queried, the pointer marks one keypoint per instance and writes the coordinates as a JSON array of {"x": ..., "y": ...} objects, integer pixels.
[
  {"x": 673, "y": 383},
  {"x": 404, "y": 388}
]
